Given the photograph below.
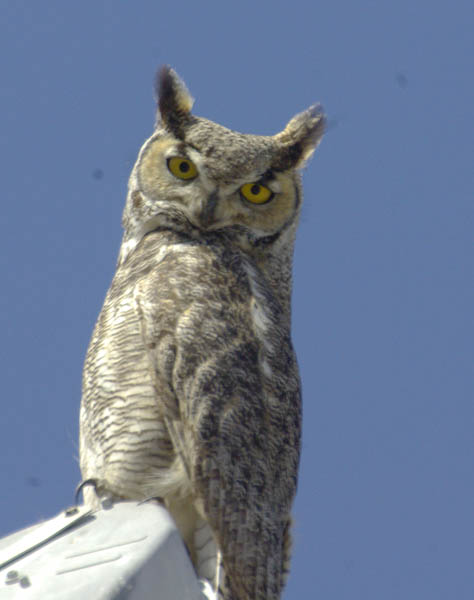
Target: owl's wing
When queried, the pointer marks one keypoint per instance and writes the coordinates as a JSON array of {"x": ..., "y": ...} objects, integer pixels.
[{"x": 238, "y": 421}]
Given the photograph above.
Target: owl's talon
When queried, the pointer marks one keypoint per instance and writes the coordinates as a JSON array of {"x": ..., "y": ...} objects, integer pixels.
[
  {"x": 81, "y": 487},
  {"x": 150, "y": 498}
]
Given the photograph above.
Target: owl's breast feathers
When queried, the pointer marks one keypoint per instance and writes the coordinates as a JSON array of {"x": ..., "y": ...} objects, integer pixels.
[{"x": 191, "y": 337}]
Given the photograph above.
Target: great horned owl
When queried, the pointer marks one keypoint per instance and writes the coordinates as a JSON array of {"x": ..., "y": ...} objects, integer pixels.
[{"x": 191, "y": 389}]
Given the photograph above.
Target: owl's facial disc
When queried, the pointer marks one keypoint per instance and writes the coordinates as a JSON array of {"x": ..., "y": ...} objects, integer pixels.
[{"x": 180, "y": 183}]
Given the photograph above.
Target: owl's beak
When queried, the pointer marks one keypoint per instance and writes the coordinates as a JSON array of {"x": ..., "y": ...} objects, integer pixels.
[{"x": 206, "y": 217}]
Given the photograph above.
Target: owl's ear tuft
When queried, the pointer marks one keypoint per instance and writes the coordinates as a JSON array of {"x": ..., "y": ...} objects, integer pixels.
[
  {"x": 300, "y": 138},
  {"x": 174, "y": 101}
]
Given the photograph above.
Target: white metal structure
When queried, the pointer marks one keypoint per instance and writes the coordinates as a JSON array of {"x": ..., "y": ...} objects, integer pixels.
[{"x": 127, "y": 551}]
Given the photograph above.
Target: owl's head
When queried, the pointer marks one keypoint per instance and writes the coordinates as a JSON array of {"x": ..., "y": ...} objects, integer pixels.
[{"x": 198, "y": 177}]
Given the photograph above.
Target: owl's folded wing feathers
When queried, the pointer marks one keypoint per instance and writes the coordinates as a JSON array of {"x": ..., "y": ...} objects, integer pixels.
[{"x": 236, "y": 434}]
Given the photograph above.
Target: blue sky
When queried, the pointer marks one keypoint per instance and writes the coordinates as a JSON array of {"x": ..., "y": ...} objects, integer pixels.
[{"x": 383, "y": 267}]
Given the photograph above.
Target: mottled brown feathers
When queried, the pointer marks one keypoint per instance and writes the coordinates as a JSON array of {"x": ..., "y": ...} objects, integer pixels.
[
  {"x": 300, "y": 138},
  {"x": 174, "y": 101},
  {"x": 191, "y": 389}
]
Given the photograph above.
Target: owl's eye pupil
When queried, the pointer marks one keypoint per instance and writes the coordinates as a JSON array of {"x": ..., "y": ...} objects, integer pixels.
[
  {"x": 184, "y": 167},
  {"x": 255, "y": 189}
]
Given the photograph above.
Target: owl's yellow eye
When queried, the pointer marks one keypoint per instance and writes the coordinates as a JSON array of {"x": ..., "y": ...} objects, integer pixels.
[
  {"x": 256, "y": 193},
  {"x": 183, "y": 168}
]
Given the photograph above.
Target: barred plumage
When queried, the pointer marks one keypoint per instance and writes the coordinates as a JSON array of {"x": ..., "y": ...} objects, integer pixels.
[{"x": 191, "y": 390}]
